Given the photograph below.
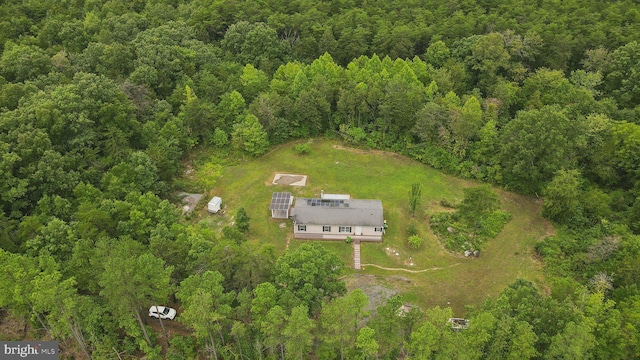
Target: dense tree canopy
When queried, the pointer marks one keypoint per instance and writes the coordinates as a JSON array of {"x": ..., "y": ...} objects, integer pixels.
[{"x": 102, "y": 102}]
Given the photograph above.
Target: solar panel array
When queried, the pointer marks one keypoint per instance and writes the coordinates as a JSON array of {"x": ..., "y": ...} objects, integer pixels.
[
  {"x": 280, "y": 201},
  {"x": 327, "y": 203}
]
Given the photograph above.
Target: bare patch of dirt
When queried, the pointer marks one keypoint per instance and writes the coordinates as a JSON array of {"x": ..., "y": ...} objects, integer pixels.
[
  {"x": 549, "y": 230},
  {"x": 289, "y": 179},
  {"x": 172, "y": 328},
  {"x": 188, "y": 169},
  {"x": 357, "y": 151},
  {"x": 189, "y": 201},
  {"x": 373, "y": 287},
  {"x": 289, "y": 237},
  {"x": 12, "y": 328}
]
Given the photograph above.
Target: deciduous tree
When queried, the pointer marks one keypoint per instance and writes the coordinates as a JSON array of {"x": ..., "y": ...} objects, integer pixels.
[
  {"x": 310, "y": 275},
  {"x": 130, "y": 283},
  {"x": 206, "y": 306},
  {"x": 366, "y": 343},
  {"x": 478, "y": 203},
  {"x": 248, "y": 135},
  {"x": 535, "y": 145},
  {"x": 339, "y": 323},
  {"x": 242, "y": 220},
  {"x": 561, "y": 202},
  {"x": 298, "y": 333},
  {"x": 415, "y": 196}
]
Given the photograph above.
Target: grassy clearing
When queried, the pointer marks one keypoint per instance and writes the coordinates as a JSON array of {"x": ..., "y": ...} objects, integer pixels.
[{"x": 387, "y": 176}]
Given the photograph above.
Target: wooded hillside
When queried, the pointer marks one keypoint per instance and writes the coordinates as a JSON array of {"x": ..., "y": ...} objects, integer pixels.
[{"x": 102, "y": 101}]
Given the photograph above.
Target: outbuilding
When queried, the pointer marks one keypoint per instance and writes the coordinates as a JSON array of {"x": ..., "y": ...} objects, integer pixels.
[
  {"x": 280, "y": 205},
  {"x": 215, "y": 204}
]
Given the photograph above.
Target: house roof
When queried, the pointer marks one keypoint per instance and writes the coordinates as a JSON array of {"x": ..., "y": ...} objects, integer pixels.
[
  {"x": 352, "y": 212},
  {"x": 280, "y": 201}
]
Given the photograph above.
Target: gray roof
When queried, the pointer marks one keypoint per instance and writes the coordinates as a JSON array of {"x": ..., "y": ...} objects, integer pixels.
[
  {"x": 280, "y": 201},
  {"x": 350, "y": 212}
]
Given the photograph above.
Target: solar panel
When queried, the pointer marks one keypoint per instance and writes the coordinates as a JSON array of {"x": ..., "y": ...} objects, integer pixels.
[
  {"x": 280, "y": 201},
  {"x": 330, "y": 203}
]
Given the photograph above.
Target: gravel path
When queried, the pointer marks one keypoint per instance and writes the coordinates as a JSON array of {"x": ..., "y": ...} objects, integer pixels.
[{"x": 408, "y": 270}]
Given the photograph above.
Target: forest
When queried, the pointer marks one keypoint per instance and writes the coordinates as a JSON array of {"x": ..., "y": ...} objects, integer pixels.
[{"x": 102, "y": 102}]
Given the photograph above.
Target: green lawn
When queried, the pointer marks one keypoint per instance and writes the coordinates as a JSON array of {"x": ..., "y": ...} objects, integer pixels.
[{"x": 456, "y": 282}]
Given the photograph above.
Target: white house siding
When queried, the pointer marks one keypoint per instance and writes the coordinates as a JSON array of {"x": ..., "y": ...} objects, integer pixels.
[{"x": 315, "y": 232}]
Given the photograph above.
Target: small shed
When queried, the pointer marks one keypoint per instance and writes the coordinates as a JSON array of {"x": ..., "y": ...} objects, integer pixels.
[
  {"x": 403, "y": 310},
  {"x": 280, "y": 205},
  {"x": 458, "y": 323},
  {"x": 215, "y": 204}
]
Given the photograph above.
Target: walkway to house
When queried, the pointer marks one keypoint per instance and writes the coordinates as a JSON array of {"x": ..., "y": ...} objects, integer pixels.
[
  {"x": 408, "y": 270},
  {"x": 359, "y": 266}
]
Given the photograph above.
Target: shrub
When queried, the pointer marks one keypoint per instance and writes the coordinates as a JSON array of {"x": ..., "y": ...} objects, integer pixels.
[
  {"x": 220, "y": 138},
  {"x": 207, "y": 176},
  {"x": 464, "y": 236},
  {"x": 357, "y": 133},
  {"x": 234, "y": 234},
  {"x": 493, "y": 224},
  {"x": 447, "y": 204},
  {"x": 415, "y": 241},
  {"x": 478, "y": 204},
  {"x": 440, "y": 159},
  {"x": 412, "y": 229},
  {"x": 242, "y": 220},
  {"x": 353, "y": 135},
  {"x": 414, "y": 197},
  {"x": 302, "y": 149},
  {"x": 182, "y": 347}
]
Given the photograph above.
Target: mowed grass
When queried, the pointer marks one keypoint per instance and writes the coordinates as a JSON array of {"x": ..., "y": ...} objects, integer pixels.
[{"x": 451, "y": 279}]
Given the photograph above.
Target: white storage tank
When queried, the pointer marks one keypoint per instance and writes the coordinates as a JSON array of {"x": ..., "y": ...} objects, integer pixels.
[{"x": 215, "y": 204}]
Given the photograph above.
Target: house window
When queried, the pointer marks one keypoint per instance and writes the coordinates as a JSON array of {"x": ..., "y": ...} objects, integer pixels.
[
  {"x": 302, "y": 227},
  {"x": 346, "y": 229},
  {"x": 326, "y": 228},
  {"x": 378, "y": 229}
]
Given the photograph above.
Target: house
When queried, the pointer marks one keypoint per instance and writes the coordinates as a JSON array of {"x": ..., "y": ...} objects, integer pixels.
[
  {"x": 337, "y": 219},
  {"x": 280, "y": 205}
]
